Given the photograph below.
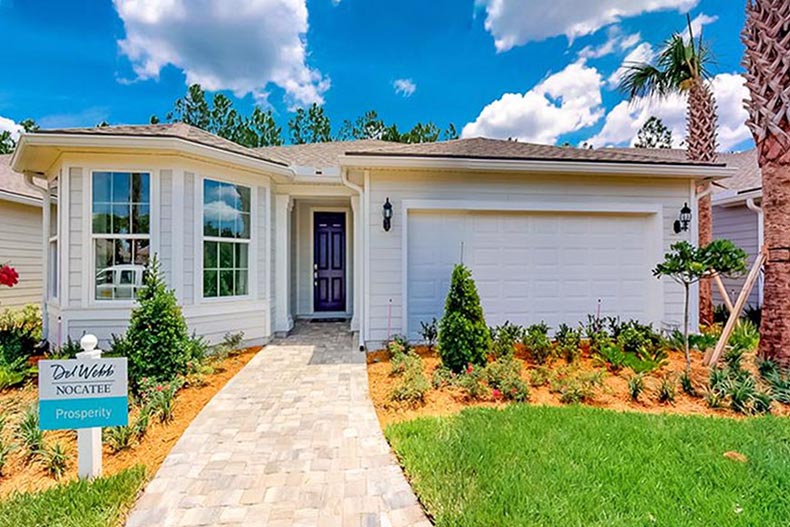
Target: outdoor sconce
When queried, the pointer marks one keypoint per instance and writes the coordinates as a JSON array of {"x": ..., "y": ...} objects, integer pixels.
[
  {"x": 683, "y": 221},
  {"x": 387, "y": 214}
]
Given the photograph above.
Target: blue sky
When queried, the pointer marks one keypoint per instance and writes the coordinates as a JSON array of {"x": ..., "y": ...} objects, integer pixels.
[{"x": 539, "y": 70}]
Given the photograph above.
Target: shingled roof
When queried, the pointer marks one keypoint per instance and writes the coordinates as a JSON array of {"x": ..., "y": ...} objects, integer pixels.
[
  {"x": 13, "y": 182},
  {"x": 483, "y": 148},
  {"x": 319, "y": 155},
  {"x": 176, "y": 130}
]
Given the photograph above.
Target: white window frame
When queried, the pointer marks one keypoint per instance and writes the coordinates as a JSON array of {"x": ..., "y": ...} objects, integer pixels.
[
  {"x": 202, "y": 238},
  {"x": 90, "y": 265}
]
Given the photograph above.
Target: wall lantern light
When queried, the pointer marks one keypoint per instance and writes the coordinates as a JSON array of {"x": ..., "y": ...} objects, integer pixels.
[
  {"x": 683, "y": 221},
  {"x": 387, "y": 214}
]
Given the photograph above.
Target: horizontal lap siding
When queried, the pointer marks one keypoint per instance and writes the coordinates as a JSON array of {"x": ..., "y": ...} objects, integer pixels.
[
  {"x": 20, "y": 246},
  {"x": 166, "y": 223},
  {"x": 189, "y": 238},
  {"x": 78, "y": 193},
  {"x": 386, "y": 248},
  {"x": 739, "y": 225}
]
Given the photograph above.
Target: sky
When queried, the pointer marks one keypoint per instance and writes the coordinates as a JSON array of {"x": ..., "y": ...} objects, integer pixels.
[{"x": 543, "y": 71}]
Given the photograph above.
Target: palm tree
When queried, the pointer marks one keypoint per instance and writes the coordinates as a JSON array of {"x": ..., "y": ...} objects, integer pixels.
[
  {"x": 682, "y": 68},
  {"x": 767, "y": 62}
]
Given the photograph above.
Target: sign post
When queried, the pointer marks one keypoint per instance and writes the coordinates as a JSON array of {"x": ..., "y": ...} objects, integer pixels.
[{"x": 85, "y": 394}]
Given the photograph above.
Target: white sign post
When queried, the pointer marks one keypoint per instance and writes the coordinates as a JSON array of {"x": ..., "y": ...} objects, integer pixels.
[{"x": 85, "y": 394}]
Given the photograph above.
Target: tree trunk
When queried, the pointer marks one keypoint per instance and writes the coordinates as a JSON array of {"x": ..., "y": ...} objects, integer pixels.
[
  {"x": 702, "y": 128},
  {"x": 775, "y": 326}
]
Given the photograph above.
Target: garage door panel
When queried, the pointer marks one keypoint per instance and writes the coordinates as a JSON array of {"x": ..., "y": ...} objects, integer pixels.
[{"x": 530, "y": 266}]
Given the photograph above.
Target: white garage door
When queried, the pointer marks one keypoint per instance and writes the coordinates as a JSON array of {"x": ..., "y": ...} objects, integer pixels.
[{"x": 532, "y": 266}]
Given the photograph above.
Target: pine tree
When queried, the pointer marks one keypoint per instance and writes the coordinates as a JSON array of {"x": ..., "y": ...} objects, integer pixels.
[{"x": 464, "y": 337}]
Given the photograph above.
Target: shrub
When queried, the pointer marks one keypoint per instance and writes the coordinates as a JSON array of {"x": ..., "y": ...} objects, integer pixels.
[
  {"x": 13, "y": 374},
  {"x": 714, "y": 398},
  {"x": 157, "y": 342},
  {"x": 159, "y": 397},
  {"x": 777, "y": 380},
  {"x": 68, "y": 350},
  {"x": 29, "y": 434},
  {"x": 568, "y": 343},
  {"x": 539, "y": 376},
  {"x": 55, "y": 460},
  {"x": 5, "y": 451},
  {"x": 442, "y": 377},
  {"x": 636, "y": 385},
  {"x": 118, "y": 438},
  {"x": 687, "y": 384},
  {"x": 666, "y": 390},
  {"x": 401, "y": 362},
  {"x": 140, "y": 424},
  {"x": 398, "y": 344},
  {"x": 613, "y": 356},
  {"x": 504, "y": 339},
  {"x": 537, "y": 342},
  {"x": 577, "y": 388},
  {"x": 471, "y": 382},
  {"x": 429, "y": 331},
  {"x": 745, "y": 336},
  {"x": 413, "y": 385},
  {"x": 504, "y": 375},
  {"x": 745, "y": 397},
  {"x": 463, "y": 335},
  {"x": 20, "y": 332}
]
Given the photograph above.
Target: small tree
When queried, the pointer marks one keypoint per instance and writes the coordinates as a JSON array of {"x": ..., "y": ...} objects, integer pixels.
[
  {"x": 687, "y": 264},
  {"x": 464, "y": 337},
  {"x": 157, "y": 342},
  {"x": 654, "y": 134}
]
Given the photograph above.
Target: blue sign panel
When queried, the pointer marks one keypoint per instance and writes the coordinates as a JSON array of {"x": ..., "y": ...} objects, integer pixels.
[{"x": 82, "y": 393}]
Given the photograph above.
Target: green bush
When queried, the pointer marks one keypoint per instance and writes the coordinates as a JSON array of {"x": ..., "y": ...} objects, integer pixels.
[
  {"x": 776, "y": 379},
  {"x": 745, "y": 336},
  {"x": 472, "y": 383},
  {"x": 539, "y": 376},
  {"x": 429, "y": 331},
  {"x": 158, "y": 397},
  {"x": 157, "y": 342},
  {"x": 575, "y": 388},
  {"x": 504, "y": 339},
  {"x": 55, "y": 460},
  {"x": 13, "y": 374},
  {"x": 504, "y": 376},
  {"x": 413, "y": 385},
  {"x": 442, "y": 377},
  {"x": 538, "y": 343},
  {"x": 687, "y": 384},
  {"x": 568, "y": 343},
  {"x": 29, "y": 434},
  {"x": 636, "y": 385},
  {"x": 20, "y": 332},
  {"x": 118, "y": 438},
  {"x": 666, "y": 390},
  {"x": 401, "y": 362},
  {"x": 464, "y": 337}
]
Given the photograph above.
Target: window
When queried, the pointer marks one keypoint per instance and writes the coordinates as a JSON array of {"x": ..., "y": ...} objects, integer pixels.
[
  {"x": 121, "y": 232},
  {"x": 226, "y": 239}
]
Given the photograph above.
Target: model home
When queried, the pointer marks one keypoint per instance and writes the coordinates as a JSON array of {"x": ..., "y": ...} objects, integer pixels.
[{"x": 252, "y": 239}]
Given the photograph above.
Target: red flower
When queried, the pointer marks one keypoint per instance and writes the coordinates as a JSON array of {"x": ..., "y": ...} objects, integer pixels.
[
  {"x": 469, "y": 369},
  {"x": 496, "y": 393},
  {"x": 159, "y": 388},
  {"x": 8, "y": 276}
]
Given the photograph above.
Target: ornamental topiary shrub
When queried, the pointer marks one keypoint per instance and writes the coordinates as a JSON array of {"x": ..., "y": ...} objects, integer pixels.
[
  {"x": 157, "y": 342},
  {"x": 464, "y": 337}
]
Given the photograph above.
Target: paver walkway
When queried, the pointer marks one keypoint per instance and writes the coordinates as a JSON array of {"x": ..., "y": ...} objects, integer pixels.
[{"x": 291, "y": 440}]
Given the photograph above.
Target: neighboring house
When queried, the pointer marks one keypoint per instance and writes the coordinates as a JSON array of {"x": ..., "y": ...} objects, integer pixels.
[
  {"x": 252, "y": 239},
  {"x": 20, "y": 237}
]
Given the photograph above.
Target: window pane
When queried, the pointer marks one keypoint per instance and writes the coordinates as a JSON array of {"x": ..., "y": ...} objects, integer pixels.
[
  {"x": 244, "y": 198},
  {"x": 226, "y": 283},
  {"x": 241, "y": 261},
  {"x": 104, "y": 255},
  {"x": 141, "y": 218},
  {"x": 241, "y": 282},
  {"x": 142, "y": 252},
  {"x": 102, "y": 186},
  {"x": 243, "y": 226},
  {"x": 123, "y": 252},
  {"x": 120, "y": 219},
  {"x": 226, "y": 255},
  {"x": 102, "y": 218},
  {"x": 209, "y": 283},
  {"x": 210, "y": 258},
  {"x": 127, "y": 277},
  {"x": 140, "y": 188},
  {"x": 121, "y": 185}
]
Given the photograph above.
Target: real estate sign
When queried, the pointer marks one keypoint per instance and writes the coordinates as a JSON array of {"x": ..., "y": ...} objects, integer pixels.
[{"x": 76, "y": 394}]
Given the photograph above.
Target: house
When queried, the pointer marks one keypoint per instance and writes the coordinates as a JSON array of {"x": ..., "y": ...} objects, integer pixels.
[
  {"x": 20, "y": 237},
  {"x": 251, "y": 240},
  {"x": 737, "y": 216}
]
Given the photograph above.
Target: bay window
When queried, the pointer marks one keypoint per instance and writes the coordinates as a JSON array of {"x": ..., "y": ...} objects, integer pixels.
[
  {"x": 226, "y": 239},
  {"x": 121, "y": 223}
]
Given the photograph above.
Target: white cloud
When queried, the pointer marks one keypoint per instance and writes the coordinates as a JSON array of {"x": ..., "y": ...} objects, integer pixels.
[
  {"x": 624, "y": 120},
  {"x": 514, "y": 23},
  {"x": 405, "y": 87},
  {"x": 238, "y": 46},
  {"x": 217, "y": 211},
  {"x": 8, "y": 125},
  {"x": 564, "y": 102},
  {"x": 642, "y": 53},
  {"x": 615, "y": 41}
]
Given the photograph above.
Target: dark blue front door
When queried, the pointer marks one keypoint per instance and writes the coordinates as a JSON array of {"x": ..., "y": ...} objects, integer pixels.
[{"x": 329, "y": 265}]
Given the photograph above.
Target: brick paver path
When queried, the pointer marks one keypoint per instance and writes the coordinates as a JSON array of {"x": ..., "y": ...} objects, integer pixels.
[{"x": 291, "y": 440}]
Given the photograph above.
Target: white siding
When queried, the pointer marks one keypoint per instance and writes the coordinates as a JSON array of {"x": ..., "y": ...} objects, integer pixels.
[
  {"x": 77, "y": 186},
  {"x": 166, "y": 222},
  {"x": 189, "y": 238},
  {"x": 386, "y": 248},
  {"x": 20, "y": 246},
  {"x": 739, "y": 225}
]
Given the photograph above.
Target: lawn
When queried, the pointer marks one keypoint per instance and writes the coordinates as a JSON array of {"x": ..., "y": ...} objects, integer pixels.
[
  {"x": 100, "y": 503},
  {"x": 581, "y": 466}
]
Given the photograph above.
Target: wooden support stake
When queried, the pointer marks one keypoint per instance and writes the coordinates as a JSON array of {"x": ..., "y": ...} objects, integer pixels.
[
  {"x": 712, "y": 356},
  {"x": 723, "y": 292}
]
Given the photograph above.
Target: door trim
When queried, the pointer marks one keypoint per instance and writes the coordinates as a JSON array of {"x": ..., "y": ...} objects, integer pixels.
[
  {"x": 349, "y": 266},
  {"x": 654, "y": 211}
]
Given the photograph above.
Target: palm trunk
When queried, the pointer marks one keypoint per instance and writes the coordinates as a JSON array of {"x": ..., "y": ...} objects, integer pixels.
[
  {"x": 702, "y": 126},
  {"x": 775, "y": 325}
]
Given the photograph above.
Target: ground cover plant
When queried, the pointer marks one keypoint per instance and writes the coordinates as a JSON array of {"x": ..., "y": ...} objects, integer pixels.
[{"x": 559, "y": 466}]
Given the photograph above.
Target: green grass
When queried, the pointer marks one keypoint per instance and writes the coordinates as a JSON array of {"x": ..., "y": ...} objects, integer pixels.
[
  {"x": 98, "y": 503},
  {"x": 578, "y": 466}
]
